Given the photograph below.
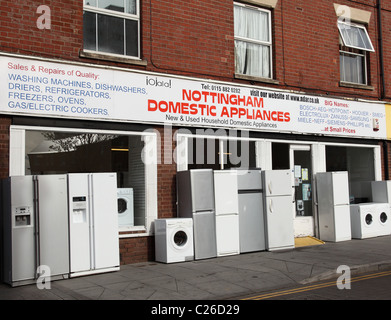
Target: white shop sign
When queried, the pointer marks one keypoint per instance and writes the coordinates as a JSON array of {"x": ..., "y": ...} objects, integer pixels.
[{"x": 42, "y": 88}]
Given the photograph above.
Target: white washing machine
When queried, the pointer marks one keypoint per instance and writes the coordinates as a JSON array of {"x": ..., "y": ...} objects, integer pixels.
[
  {"x": 125, "y": 206},
  {"x": 174, "y": 240},
  {"x": 363, "y": 218},
  {"x": 384, "y": 219}
]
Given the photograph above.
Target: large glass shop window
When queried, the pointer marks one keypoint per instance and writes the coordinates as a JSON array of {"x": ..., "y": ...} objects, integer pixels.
[
  {"x": 359, "y": 162},
  {"x": 53, "y": 152},
  {"x": 219, "y": 154}
]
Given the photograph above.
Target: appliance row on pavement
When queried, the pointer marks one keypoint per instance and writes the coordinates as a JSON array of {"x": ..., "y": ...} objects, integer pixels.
[
  {"x": 67, "y": 223},
  {"x": 339, "y": 220},
  {"x": 227, "y": 212}
]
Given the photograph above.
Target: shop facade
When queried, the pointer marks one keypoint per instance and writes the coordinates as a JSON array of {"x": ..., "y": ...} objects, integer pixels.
[{"x": 72, "y": 101}]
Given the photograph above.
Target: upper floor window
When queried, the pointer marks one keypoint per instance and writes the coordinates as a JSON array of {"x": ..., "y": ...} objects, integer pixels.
[
  {"x": 253, "y": 41},
  {"x": 355, "y": 46},
  {"x": 112, "y": 26}
]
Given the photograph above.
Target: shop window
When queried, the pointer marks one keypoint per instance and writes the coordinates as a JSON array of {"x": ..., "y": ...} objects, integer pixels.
[
  {"x": 112, "y": 26},
  {"x": 280, "y": 156},
  {"x": 253, "y": 41},
  {"x": 355, "y": 46},
  {"x": 221, "y": 153},
  {"x": 359, "y": 162},
  {"x": 61, "y": 151}
]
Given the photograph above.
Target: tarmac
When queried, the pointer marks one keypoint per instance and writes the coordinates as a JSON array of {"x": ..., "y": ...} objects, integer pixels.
[{"x": 222, "y": 278}]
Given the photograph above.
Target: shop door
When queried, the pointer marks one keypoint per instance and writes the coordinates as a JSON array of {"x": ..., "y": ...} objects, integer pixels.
[{"x": 301, "y": 165}]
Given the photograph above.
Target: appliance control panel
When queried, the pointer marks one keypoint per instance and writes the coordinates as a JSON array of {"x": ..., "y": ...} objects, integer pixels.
[
  {"x": 22, "y": 216},
  {"x": 79, "y": 209}
]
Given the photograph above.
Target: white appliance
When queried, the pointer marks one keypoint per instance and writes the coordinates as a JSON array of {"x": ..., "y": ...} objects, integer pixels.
[
  {"x": 227, "y": 212},
  {"x": 381, "y": 192},
  {"x": 278, "y": 209},
  {"x": 35, "y": 228},
  {"x": 174, "y": 240},
  {"x": 383, "y": 219},
  {"x": 333, "y": 206},
  {"x": 125, "y": 206},
  {"x": 251, "y": 217},
  {"x": 363, "y": 220},
  {"x": 195, "y": 199},
  {"x": 93, "y": 223}
]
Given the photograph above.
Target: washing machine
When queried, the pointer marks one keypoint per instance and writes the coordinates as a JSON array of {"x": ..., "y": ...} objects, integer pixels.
[
  {"x": 384, "y": 219},
  {"x": 125, "y": 206},
  {"x": 174, "y": 240},
  {"x": 363, "y": 218}
]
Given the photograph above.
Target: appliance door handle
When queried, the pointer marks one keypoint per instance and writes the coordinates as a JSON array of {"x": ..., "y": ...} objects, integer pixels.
[
  {"x": 269, "y": 185},
  {"x": 271, "y": 206}
]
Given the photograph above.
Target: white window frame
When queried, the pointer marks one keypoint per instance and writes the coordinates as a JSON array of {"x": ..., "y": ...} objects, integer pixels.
[
  {"x": 347, "y": 42},
  {"x": 269, "y": 43},
  {"x": 365, "y": 71},
  {"x": 117, "y": 14},
  {"x": 17, "y": 167}
]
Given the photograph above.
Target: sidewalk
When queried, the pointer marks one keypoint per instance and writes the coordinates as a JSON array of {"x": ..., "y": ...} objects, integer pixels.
[{"x": 218, "y": 278}]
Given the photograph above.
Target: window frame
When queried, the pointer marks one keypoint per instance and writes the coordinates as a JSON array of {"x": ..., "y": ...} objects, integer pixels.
[
  {"x": 116, "y": 14},
  {"x": 269, "y": 43},
  {"x": 365, "y": 67},
  {"x": 348, "y": 49},
  {"x": 359, "y": 26}
]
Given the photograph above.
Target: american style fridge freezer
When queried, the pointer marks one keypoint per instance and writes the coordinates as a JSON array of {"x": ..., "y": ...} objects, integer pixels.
[
  {"x": 195, "y": 199},
  {"x": 35, "y": 228},
  {"x": 43, "y": 226}
]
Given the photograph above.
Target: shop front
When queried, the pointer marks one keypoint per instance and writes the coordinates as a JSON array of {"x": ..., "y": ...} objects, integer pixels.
[{"x": 146, "y": 127}]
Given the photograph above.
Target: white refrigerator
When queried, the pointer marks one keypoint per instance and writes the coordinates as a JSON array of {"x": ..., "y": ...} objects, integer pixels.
[
  {"x": 333, "y": 206},
  {"x": 278, "y": 211},
  {"x": 227, "y": 212},
  {"x": 93, "y": 223},
  {"x": 35, "y": 228}
]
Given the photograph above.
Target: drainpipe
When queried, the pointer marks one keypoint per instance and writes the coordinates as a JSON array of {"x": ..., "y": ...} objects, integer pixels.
[
  {"x": 379, "y": 21},
  {"x": 383, "y": 85}
]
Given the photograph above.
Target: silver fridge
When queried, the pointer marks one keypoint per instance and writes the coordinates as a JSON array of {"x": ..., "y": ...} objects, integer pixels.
[
  {"x": 278, "y": 198},
  {"x": 35, "y": 228},
  {"x": 195, "y": 199},
  {"x": 333, "y": 206},
  {"x": 251, "y": 219}
]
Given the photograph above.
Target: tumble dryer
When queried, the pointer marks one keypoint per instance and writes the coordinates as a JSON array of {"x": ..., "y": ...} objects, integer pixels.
[
  {"x": 125, "y": 206},
  {"x": 363, "y": 218},
  {"x": 174, "y": 240}
]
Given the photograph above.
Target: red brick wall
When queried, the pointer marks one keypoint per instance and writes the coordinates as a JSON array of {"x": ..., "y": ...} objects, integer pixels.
[{"x": 196, "y": 38}]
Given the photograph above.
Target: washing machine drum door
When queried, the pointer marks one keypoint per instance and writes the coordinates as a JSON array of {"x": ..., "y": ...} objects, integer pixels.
[
  {"x": 383, "y": 217},
  {"x": 368, "y": 219},
  {"x": 180, "y": 238},
  {"x": 122, "y": 205}
]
